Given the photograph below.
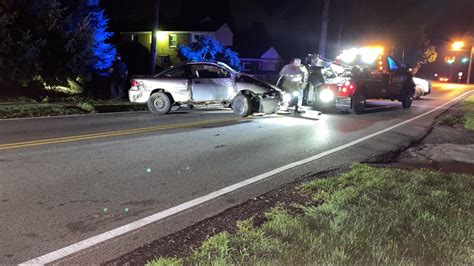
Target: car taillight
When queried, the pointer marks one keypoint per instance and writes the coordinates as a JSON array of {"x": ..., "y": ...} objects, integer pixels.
[
  {"x": 134, "y": 83},
  {"x": 347, "y": 89}
]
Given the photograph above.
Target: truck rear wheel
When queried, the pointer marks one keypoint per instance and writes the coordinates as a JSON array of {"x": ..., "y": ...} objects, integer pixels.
[
  {"x": 407, "y": 101},
  {"x": 358, "y": 103}
]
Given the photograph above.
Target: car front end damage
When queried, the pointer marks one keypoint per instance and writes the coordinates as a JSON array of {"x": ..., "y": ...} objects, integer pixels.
[
  {"x": 266, "y": 98},
  {"x": 270, "y": 102}
]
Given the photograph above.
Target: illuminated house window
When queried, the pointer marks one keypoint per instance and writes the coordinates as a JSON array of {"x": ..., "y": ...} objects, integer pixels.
[
  {"x": 132, "y": 37},
  {"x": 173, "y": 40}
]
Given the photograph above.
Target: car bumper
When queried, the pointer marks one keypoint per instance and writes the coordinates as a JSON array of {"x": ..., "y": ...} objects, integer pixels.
[
  {"x": 137, "y": 95},
  {"x": 429, "y": 89},
  {"x": 343, "y": 103}
]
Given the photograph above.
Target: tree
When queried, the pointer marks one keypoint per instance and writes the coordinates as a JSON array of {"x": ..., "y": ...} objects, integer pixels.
[
  {"x": 427, "y": 56},
  {"x": 209, "y": 49},
  {"x": 51, "y": 41},
  {"x": 103, "y": 52}
]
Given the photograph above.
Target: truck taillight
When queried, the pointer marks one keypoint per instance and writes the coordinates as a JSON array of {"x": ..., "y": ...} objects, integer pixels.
[
  {"x": 134, "y": 83},
  {"x": 347, "y": 89}
]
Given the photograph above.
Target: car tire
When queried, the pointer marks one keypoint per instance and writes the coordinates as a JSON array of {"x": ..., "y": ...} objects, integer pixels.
[
  {"x": 242, "y": 105},
  {"x": 418, "y": 93},
  {"x": 358, "y": 103},
  {"x": 159, "y": 103},
  {"x": 407, "y": 100}
]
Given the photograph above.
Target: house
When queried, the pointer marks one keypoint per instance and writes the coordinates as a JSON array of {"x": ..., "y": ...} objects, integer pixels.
[
  {"x": 168, "y": 40},
  {"x": 264, "y": 66}
]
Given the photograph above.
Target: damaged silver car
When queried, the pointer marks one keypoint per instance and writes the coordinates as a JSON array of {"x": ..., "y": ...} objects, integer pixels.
[{"x": 203, "y": 83}]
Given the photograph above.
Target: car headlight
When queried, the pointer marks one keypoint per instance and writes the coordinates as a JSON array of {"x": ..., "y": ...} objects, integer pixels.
[
  {"x": 326, "y": 95},
  {"x": 287, "y": 97}
]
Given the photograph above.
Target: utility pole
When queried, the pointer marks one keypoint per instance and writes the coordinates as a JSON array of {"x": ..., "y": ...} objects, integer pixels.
[
  {"x": 339, "y": 37},
  {"x": 323, "y": 39},
  {"x": 469, "y": 71},
  {"x": 156, "y": 24}
]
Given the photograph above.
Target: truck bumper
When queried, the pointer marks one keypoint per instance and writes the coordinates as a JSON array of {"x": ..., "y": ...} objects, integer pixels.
[{"x": 343, "y": 103}]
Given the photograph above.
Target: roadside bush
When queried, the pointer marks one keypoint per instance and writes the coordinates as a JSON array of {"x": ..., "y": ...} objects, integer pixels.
[
  {"x": 48, "y": 42},
  {"x": 87, "y": 107}
]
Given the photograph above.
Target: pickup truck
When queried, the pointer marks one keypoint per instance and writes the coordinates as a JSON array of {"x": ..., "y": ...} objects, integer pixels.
[{"x": 387, "y": 80}]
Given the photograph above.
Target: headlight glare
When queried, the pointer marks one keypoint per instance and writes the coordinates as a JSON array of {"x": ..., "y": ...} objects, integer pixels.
[{"x": 326, "y": 95}]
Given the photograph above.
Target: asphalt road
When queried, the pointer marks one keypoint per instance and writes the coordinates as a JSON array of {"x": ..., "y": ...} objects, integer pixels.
[{"x": 67, "y": 179}]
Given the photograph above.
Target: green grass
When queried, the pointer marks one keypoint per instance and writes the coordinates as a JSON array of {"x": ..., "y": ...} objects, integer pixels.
[
  {"x": 368, "y": 216},
  {"x": 37, "y": 110},
  {"x": 468, "y": 109},
  {"x": 71, "y": 107}
]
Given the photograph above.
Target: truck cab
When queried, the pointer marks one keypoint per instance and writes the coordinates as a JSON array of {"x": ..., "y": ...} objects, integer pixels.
[{"x": 386, "y": 79}]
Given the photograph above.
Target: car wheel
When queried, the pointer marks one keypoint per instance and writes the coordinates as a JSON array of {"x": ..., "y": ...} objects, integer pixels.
[
  {"x": 242, "y": 105},
  {"x": 358, "y": 103},
  {"x": 159, "y": 103},
  {"x": 418, "y": 93},
  {"x": 407, "y": 101}
]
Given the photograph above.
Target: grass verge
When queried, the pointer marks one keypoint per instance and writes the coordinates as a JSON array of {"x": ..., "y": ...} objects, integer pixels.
[
  {"x": 368, "y": 216},
  {"x": 468, "y": 108},
  {"x": 32, "y": 109},
  {"x": 464, "y": 115}
]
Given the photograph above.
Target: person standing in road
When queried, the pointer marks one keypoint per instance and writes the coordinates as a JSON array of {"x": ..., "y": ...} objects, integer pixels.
[
  {"x": 118, "y": 76},
  {"x": 293, "y": 80}
]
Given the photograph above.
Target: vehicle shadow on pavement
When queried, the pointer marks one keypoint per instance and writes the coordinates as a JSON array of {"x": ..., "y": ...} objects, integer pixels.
[
  {"x": 425, "y": 100},
  {"x": 227, "y": 124},
  {"x": 301, "y": 116},
  {"x": 372, "y": 108}
]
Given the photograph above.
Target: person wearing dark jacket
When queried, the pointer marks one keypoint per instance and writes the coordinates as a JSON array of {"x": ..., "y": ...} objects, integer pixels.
[{"x": 118, "y": 77}]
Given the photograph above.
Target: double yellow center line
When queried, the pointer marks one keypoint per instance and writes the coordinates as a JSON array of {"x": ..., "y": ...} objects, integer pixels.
[{"x": 33, "y": 143}]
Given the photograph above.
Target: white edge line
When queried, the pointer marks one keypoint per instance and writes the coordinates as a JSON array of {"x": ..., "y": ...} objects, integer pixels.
[{"x": 92, "y": 241}]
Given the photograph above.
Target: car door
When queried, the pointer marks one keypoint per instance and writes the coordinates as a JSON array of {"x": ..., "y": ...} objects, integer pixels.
[
  {"x": 211, "y": 83},
  {"x": 397, "y": 77},
  {"x": 176, "y": 82}
]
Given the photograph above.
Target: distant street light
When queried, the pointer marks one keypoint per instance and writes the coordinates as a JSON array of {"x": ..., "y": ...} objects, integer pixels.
[{"x": 457, "y": 45}]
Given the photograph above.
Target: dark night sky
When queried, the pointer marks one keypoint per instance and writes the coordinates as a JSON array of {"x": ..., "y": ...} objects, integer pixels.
[{"x": 293, "y": 26}]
